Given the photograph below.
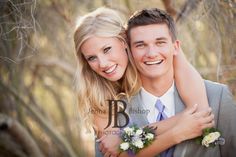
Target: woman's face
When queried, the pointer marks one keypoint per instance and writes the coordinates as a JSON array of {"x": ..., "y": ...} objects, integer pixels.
[{"x": 106, "y": 56}]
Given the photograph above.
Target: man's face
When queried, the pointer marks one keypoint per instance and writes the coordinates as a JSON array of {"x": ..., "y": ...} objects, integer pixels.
[{"x": 153, "y": 50}]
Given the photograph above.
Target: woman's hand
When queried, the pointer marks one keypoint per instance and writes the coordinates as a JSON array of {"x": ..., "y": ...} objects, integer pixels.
[
  {"x": 191, "y": 123},
  {"x": 109, "y": 143}
]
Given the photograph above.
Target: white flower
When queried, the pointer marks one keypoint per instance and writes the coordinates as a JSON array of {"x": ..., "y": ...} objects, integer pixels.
[
  {"x": 139, "y": 132},
  {"x": 124, "y": 146},
  {"x": 129, "y": 131},
  {"x": 210, "y": 138},
  {"x": 149, "y": 136},
  {"x": 138, "y": 143}
]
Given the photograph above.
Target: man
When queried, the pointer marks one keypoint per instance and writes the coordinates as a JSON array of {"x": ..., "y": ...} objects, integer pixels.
[{"x": 153, "y": 43}]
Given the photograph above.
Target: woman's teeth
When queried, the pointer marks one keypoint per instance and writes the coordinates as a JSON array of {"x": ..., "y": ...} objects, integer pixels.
[{"x": 111, "y": 69}]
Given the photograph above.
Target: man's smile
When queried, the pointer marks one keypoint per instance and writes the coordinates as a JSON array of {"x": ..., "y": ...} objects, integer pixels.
[{"x": 154, "y": 62}]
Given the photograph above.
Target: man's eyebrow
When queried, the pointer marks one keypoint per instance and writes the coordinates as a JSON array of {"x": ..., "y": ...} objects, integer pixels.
[
  {"x": 161, "y": 38},
  {"x": 137, "y": 42},
  {"x": 141, "y": 41}
]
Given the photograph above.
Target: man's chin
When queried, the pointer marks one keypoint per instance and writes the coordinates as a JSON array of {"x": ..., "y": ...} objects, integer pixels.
[{"x": 151, "y": 75}]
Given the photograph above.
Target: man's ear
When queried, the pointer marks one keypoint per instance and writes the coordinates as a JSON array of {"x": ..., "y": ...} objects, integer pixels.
[{"x": 177, "y": 47}]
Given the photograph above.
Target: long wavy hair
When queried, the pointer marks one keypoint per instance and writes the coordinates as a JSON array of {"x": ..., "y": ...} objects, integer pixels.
[{"x": 94, "y": 90}]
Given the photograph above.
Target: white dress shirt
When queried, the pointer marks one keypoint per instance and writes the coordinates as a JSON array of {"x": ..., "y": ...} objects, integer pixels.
[{"x": 167, "y": 100}]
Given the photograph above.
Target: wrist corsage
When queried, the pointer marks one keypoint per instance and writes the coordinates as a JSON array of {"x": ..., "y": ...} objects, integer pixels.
[
  {"x": 210, "y": 137},
  {"x": 134, "y": 138}
]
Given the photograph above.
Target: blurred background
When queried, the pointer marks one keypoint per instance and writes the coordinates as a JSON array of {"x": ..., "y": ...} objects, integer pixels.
[{"x": 38, "y": 110}]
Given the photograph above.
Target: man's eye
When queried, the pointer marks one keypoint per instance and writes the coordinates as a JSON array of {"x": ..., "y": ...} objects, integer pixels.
[
  {"x": 139, "y": 46},
  {"x": 107, "y": 49},
  {"x": 161, "y": 42},
  {"x": 92, "y": 58}
]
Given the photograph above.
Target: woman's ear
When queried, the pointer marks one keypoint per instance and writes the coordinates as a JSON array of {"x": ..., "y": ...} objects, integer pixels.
[
  {"x": 125, "y": 46},
  {"x": 126, "y": 50}
]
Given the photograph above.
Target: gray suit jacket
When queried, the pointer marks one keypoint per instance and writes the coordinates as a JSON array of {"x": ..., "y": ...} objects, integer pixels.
[{"x": 224, "y": 109}]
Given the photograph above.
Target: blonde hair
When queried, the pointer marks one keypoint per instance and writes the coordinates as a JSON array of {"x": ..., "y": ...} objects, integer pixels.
[{"x": 94, "y": 90}]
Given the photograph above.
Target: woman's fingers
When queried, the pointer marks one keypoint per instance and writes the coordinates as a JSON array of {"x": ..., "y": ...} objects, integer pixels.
[
  {"x": 208, "y": 125},
  {"x": 208, "y": 119},
  {"x": 100, "y": 139},
  {"x": 107, "y": 154},
  {"x": 106, "y": 147},
  {"x": 203, "y": 113},
  {"x": 101, "y": 145},
  {"x": 102, "y": 148}
]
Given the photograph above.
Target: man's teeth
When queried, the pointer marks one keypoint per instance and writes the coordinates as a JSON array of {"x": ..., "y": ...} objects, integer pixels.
[
  {"x": 111, "y": 69},
  {"x": 153, "y": 62}
]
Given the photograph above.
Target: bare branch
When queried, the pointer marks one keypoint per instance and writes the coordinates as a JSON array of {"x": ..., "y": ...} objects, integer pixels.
[
  {"x": 60, "y": 12},
  {"x": 60, "y": 140},
  {"x": 188, "y": 7},
  {"x": 169, "y": 8},
  {"x": 20, "y": 134},
  {"x": 54, "y": 62}
]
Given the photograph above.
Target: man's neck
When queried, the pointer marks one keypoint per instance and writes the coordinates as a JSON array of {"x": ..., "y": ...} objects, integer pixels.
[{"x": 158, "y": 86}]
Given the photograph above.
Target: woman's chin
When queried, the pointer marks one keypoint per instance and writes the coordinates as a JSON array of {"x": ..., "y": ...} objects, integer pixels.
[{"x": 114, "y": 78}]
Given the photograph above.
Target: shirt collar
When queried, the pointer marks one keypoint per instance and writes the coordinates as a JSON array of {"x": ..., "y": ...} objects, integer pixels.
[
  {"x": 168, "y": 96},
  {"x": 149, "y": 99}
]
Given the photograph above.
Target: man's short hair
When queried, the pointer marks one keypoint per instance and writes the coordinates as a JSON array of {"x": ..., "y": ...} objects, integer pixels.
[{"x": 151, "y": 16}]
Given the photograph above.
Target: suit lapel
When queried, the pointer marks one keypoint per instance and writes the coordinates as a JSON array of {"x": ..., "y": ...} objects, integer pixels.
[
  {"x": 136, "y": 104},
  {"x": 180, "y": 149},
  {"x": 179, "y": 105},
  {"x": 139, "y": 119}
]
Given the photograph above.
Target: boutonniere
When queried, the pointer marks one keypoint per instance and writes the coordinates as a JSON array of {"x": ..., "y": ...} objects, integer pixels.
[
  {"x": 134, "y": 139},
  {"x": 210, "y": 137}
]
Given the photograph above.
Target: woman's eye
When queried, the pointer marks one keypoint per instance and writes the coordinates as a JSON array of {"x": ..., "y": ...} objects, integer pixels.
[
  {"x": 92, "y": 58},
  {"x": 107, "y": 49}
]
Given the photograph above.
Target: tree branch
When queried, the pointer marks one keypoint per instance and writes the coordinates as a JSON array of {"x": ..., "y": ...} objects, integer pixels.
[{"x": 21, "y": 135}]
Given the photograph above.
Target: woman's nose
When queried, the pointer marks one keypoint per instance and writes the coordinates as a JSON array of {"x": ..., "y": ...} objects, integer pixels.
[{"x": 103, "y": 62}]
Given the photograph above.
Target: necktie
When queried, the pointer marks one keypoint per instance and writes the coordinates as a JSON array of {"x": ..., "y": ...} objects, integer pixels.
[{"x": 161, "y": 116}]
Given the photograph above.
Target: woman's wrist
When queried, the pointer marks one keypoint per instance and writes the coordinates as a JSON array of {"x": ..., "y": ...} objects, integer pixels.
[{"x": 176, "y": 135}]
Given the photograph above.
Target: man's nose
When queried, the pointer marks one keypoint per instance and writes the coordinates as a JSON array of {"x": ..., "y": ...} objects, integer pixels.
[{"x": 152, "y": 52}]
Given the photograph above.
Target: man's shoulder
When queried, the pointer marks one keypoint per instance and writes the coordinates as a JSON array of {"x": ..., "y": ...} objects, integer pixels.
[
  {"x": 210, "y": 83},
  {"x": 217, "y": 92},
  {"x": 214, "y": 87},
  {"x": 133, "y": 98}
]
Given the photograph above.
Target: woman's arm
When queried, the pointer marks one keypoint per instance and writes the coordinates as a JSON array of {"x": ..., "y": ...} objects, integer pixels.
[
  {"x": 189, "y": 82},
  {"x": 109, "y": 142},
  {"x": 108, "y": 139},
  {"x": 161, "y": 143},
  {"x": 189, "y": 125}
]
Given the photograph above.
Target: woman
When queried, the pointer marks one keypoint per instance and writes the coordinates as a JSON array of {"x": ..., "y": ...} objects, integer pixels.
[{"x": 106, "y": 71}]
